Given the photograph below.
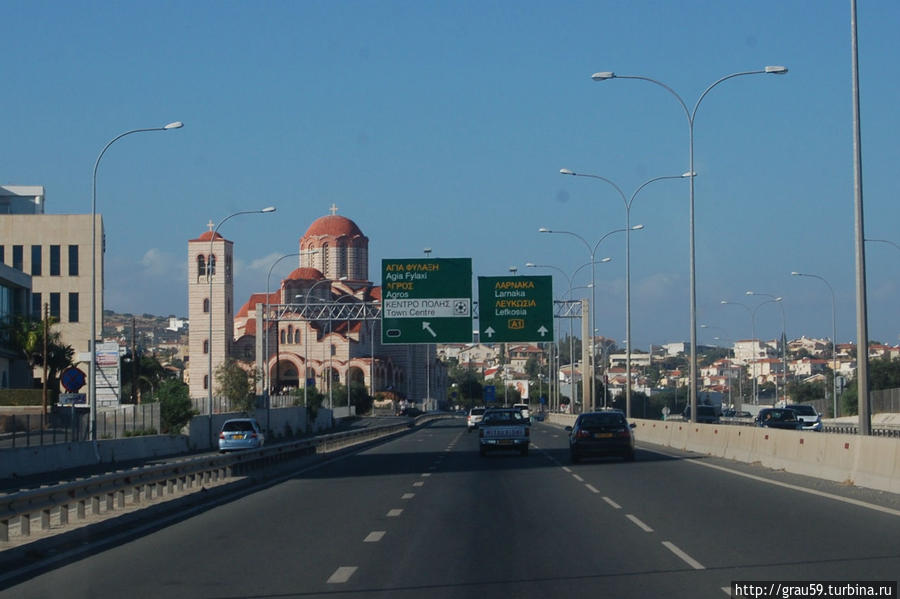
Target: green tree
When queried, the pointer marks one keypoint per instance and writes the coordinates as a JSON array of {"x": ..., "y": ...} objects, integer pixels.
[
  {"x": 236, "y": 384},
  {"x": 26, "y": 337},
  {"x": 175, "y": 406}
]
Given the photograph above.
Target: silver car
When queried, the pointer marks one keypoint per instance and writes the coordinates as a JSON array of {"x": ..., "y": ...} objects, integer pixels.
[
  {"x": 240, "y": 433},
  {"x": 807, "y": 415}
]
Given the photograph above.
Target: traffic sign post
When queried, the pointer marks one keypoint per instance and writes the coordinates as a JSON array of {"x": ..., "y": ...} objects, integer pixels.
[
  {"x": 515, "y": 309},
  {"x": 426, "y": 300}
]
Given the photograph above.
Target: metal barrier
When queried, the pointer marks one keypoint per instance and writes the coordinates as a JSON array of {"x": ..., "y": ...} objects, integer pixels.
[{"x": 143, "y": 484}]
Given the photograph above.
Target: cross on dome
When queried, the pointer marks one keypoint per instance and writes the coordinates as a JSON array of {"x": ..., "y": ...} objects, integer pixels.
[{"x": 333, "y": 209}]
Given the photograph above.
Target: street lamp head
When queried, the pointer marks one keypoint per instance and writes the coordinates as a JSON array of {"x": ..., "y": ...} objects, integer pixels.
[
  {"x": 724, "y": 302},
  {"x": 544, "y": 230},
  {"x": 689, "y": 174},
  {"x": 604, "y": 260},
  {"x": 530, "y": 264},
  {"x": 268, "y": 209},
  {"x": 749, "y": 293},
  {"x": 776, "y": 70},
  {"x": 637, "y": 227},
  {"x": 175, "y": 125},
  {"x": 603, "y": 76},
  {"x": 796, "y": 274},
  {"x": 565, "y": 171}
]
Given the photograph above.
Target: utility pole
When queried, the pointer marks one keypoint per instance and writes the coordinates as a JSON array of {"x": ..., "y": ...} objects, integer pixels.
[
  {"x": 134, "y": 368},
  {"x": 44, "y": 359}
]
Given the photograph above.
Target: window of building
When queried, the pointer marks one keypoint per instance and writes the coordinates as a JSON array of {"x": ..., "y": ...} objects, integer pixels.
[
  {"x": 18, "y": 257},
  {"x": 297, "y": 336},
  {"x": 205, "y": 305},
  {"x": 201, "y": 266},
  {"x": 206, "y": 381},
  {"x": 73, "y": 307},
  {"x": 54, "y": 260},
  {"x": 36, "y": 305},
  {"x": 2, "y": 254},
  {"x": 206, "y": 346},
  {"x": 212, "y": 264},
  {"x": 282, "y": 337},
  {"x": 35, "y": 260},
  {"x": 54, "y": 305},
  {"x": 73, "y": 260},
  {"x": 227, "y": 268}
]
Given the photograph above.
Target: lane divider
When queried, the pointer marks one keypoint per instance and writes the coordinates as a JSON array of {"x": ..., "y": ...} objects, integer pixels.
[{"x": 684, "y": 556}]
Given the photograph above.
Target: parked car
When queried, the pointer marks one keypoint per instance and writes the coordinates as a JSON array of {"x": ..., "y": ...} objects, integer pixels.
[
  {"x": 474, "y": 418},
  {"x": 810, "y": 419},
  {"x": 240, "y": 433},
  {"x": 600, "y": 434},
  {"x": 705, "y": 414},
  {"x": 784, "y": 418}
]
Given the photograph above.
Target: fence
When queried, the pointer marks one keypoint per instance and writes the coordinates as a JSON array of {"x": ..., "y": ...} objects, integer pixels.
[{"x": 68, "y": 425}]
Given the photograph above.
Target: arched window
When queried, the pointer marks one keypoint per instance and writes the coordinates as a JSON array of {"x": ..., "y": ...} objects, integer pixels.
[
  {"x": 282, "y": 337},
  {"x": 206, "y": 346},
  {"x": 212, "y": 264},
  {"x": 297, "y": 336},
  {"x": 201, "y": 265},
  {"x": 205, "y": 305}
]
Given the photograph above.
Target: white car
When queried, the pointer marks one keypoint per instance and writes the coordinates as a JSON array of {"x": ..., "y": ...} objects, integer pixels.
[
  {"x": 474, "y": 418},
  {"x": 523, "y": 407},
  {"x": 807, "y": 415}
]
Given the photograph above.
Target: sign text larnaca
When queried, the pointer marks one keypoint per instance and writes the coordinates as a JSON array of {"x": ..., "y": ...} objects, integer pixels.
[
  {"x": 426, "y": 300},
  {"x": 517, "y": 309}
]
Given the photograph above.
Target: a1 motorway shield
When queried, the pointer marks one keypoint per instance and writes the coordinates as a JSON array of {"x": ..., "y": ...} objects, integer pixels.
[
  {"x": 517, "y": 309},
  {"x": 426, "y": 300}
]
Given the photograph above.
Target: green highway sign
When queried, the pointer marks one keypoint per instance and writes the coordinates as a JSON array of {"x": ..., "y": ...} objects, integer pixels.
[
  {"x": 426, "y": 300},
  {"x": 517, "y": 309}
]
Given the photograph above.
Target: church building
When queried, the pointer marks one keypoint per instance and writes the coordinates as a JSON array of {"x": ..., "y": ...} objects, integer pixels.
[{"x": 332, "y": 270}]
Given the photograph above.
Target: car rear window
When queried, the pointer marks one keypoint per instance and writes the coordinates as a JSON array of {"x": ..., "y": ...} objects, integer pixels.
[
  {"x": 477, "y": 411},
  {"x": 805, "y": 410},
  {"x": 492, "y": 417},
  {"x": 238, "y": 425},
  {"x": 600, "y": 420}
]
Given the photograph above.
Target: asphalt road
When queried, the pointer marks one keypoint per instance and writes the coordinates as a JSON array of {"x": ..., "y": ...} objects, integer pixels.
[{"x": 423, "y": 515}]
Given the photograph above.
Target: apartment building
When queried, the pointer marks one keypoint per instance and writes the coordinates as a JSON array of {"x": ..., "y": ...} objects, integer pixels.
[{"x": 55, "y": 250}]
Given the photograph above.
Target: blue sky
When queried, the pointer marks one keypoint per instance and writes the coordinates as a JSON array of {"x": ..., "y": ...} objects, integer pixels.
[{"x": 444, "y": 125}]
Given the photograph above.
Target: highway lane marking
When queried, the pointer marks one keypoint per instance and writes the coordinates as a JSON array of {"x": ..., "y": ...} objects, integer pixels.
[
  {"x": 426, "y": 474},
  {"x": 578, "y": 478},
  {"x": 394, "y": 513},
  {"x": 727, "y": 590},
  {"x": 375, "y": 536},
  {"x": 567, "y": 469},
  {"x": 638, "y": 523},
  {"x": 856, "y": 502},
  {"x": 592, "y": 488},
  {"x": 418, "y": 483},
  {"x": 342, "y": 575},
  {"x": 612, "y": 503},
  {"x": 408, "y": 496},
  {"x": 684, "y": 556}
]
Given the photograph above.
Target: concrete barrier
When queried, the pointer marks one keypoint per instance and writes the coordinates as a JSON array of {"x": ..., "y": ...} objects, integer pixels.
[{"x": 872, "y": 462}]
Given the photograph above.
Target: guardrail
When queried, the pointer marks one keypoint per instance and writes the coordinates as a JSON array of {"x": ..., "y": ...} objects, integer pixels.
[{"x": 110, "y": 491}]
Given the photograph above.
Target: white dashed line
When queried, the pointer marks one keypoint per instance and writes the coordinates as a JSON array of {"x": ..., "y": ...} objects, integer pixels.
[
  {"x": 638, "y": 523},
  {"x": 578, "y": 478},
  {"x": 592, "y": 488},
  {"x": 612, "y": 503},
  {"x": 684, "y": 556},
  {"x": 408, "y": 496},
  {"x": 375, "y": 536},
  {"x": 342, "y": 575},
  {"x": 418, "y": 484},
  {"x": 727, "y": 590},
  {"x": 567, "y": 469},
  {"x": 426, "y": 474},
  {"x": 394, "y": 513}
]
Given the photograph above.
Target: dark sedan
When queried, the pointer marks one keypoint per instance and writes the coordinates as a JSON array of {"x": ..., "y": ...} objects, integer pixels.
[
  {"x": 784, "y": 418},
  {"x": 601, "y": 434}
]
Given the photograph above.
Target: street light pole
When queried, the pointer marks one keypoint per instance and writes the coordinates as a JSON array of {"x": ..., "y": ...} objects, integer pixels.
[
  {"x": 92, "y": 381},
  {"x": 780, "y": 303},
  {"x": 755, "y": 343},
  {"x": 593, "y": 252},
  {"x": 210, "y": 262},
  {"x": 691, "y": 115},
  {"x": 834, "y": 390},
  {"x": 628, "y": 203}
]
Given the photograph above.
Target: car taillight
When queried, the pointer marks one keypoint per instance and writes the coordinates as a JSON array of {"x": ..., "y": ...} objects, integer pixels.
[
  {"x": 583, "y": 434},
  {"x": 221, "y": 435},
  {"x": 253, "y": 435},
  {"x": 625, "y": 434}
]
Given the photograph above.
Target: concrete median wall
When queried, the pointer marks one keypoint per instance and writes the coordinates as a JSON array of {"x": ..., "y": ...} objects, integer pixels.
[{"x": 872, "y": 462}]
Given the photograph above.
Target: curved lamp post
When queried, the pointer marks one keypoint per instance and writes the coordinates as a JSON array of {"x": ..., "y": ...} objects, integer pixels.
[
  {"x": 92, "y": 387},
  {"x": 209, "y": 268},
  {"x": 691, "y": 115},
  {"x": 755, "y": 342},
  {"x": 628, "y": 202},
  {"x": 780, "y": 303},
  {"x": 593, "y": 253},
  {"x": 833, "y": 339},
  {"x": 306, "y": 338}
]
